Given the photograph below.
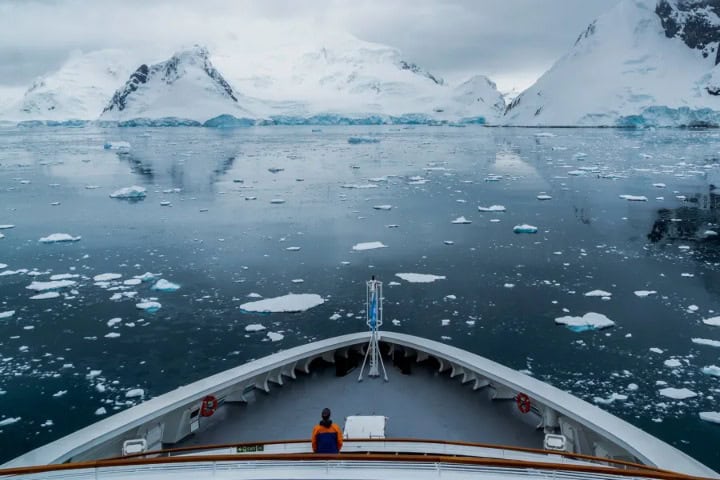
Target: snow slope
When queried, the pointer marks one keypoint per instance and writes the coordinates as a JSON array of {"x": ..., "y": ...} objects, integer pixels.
[
  {"x": 78, "y": 90},
  {"x": 185, "y": 86},
  {"x": 645, "y": 62}
]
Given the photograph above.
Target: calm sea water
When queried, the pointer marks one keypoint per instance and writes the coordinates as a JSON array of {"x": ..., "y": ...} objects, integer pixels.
[{"x": 221, "y": 239}]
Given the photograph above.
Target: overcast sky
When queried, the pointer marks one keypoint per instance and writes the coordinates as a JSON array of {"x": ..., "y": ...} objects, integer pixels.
[{"x": 511, "y": 41}]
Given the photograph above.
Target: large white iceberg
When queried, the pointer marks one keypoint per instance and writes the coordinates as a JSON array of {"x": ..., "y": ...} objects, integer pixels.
[{"x": 292, "y": 302}]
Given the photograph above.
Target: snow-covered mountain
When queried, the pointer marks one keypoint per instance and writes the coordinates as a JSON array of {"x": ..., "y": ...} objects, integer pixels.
[
  {"x": 78, "y": 90},
  {"x": 645, "y": 62},
  {"x": 186, "y": 86},
  {"x": 341, "y": 74}
]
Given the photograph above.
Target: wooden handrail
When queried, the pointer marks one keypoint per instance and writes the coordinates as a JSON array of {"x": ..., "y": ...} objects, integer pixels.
[
  {"x": 570, "y": 455},
  {"x": 487, "y": 462}
]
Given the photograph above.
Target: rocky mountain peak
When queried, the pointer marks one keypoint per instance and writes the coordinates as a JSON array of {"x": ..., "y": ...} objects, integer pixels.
[{"x": 696, "y": 22}]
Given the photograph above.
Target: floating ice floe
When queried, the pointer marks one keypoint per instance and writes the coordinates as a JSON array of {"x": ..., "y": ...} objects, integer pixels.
[
  {"x": 610, "y": 399},
  {"x": 382, "y": 207},
  {"x": 359, "y": 140},
  {"x": 644, "y": 293},
  {"x": 677, "y": 393},
  {"x": 275, "y": 169},
  {"x": 64, "y": 276},
  {"x": 6, "y": 227},
  {"x": 163, "y": 285},
  {"x": 129, "y": 193},
  {"x": 706, "y": 341},
  {"x": 461, "y": 221},
  {"x": 59, "y": 238},
  {"x": 368, "y": 246},
  {"x": 112, "y": 335},
  {"x": 543, "y": 196},
  {"x": 589, "y": 321},
  {"x": 106, "y": 277},
  {"x": 149, "y": 306},
  {"x": 7, "y": 314},
  {"x": 525, "y": 228},
  {"x": 116, "y": 145},
  {"x": 672, "y": 363},
  {"x": 714, "y": 321},
  {"x": 492, "y": 208},
  {"x": 712, "y": 417},
  {"x": 275, "y": 337},
  {"x": 255, "y": 327},
  {"x": 9, "y": 421},
  {"x": 146, "y": 277},
  {"x": 634, "y": 198},
  {"x": 419, "y": 277},
  {"x": 277, "y": 201},
  {"x": 54, "y": 285},
  {"x": 659, "y": 185},
  {"x": 59, "y": 393},
  {"x": 656, "y": 350},
  {"x": 357, "y": 186},
  {"x": 292, "y": 249},
  {"x": 101, "y": 411},
  {"x": 132, "y": 282},
  {"x": 712, "y": 370},
  {"x": 134, "y": 393},
  {"x": 599, "y": 293},
  {"x": 45, "y": 296},
  {"x": 113, "y": 321},
  {"x": 290, "y": 303}
]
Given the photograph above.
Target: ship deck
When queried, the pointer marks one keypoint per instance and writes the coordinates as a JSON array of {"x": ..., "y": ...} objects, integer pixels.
[{"x": 423, "y": 404}]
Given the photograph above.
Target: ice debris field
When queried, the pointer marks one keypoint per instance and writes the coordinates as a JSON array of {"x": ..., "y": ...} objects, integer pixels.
[{"x": 171, "y": 255}]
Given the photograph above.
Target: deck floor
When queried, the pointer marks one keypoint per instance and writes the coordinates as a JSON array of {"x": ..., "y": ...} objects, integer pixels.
[{"x": 423, "y": 405}]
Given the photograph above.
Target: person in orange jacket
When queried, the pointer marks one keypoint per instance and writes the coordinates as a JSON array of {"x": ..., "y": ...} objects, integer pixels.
[{"x": 326, "y": 436}]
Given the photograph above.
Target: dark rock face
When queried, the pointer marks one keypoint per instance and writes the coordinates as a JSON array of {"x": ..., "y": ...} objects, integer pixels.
[
  {"x": 416, "y": 69},
  {"x": 694, "y": 22},
  {"x": 168, "y": 72}
]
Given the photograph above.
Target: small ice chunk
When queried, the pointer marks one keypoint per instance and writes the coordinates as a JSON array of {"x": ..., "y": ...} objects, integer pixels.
[
  {"x": 146, "y": 277},
  {"x": 114, "y": 321},
  {"x": 598, "y": 293},
  {"x": 254, "y": 295},
  {"x": 713, "y": 417},
  {"x": 149, "y": 306},
  {"x": 383, "y": 207},
  {"x": 659, "y": 185},
  {"x": 59, "y": 238},
  {"x": 634, "y": 198},
  {"x": 525, "y": 228},
  {"x": 713, "y": 321},
  {"x": 59, "y": 393},
  {"x": 7, "y": 314},
  {"x": 677, "y": 393},
  {"x": 132, "y": 281},
  {"x": 45, "y": 296},
  {"x": 419, "y": 277},
  {"x": 359, "y": 140},
  {"x": 275, "y": 337},
  {"x": 712, "y": 370},
  {"x": 134, "y": 393},
  {"x": 129, "y": 193},
  {"x": 106, "y": 277},
  {"x": 445, "y": 322},
  {"x": 101, "y": 411},
  {"x": 492, "y": 208},
  {"x": 368, "y": 246},
  {"x": 9, "y": 421},
  {"x": 509, "y": 285},
  {"x": 292, "y": 249},
  {"x": 610, "y": 399},
  {"x": 543, "y": 196},
  {"x": 54, "y": 285},
  {"x": 589, "y": 321},
  {"x": 672, "y": 363},
  {"x": 644, "y": 293},
  {"x": 448, "y": 242},
  {"x": 461, "y": 221},
  {"x": 656, "y": 350},
  {"x": 544, "y": 135},
  {"x": 165, "y": 203},
  {"x": 286, "y": 303},
  {"x": 112, "y": 335},
  {"x": 6, "y": 227},
  {"x": 165, "y": 286},
  {"x": 254, "y": 327},
  {"x": 63, "y": 276},
  {"x": 706, "y": 341},
  {"x": 633, "y": 387},
  {"x": 116, "y": 145},
  {"x": 277, "y": 201}
]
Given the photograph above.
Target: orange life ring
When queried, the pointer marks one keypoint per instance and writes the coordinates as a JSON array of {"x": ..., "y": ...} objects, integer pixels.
[
  {"x": 209, "y": 405},
  {"x": 523, "y": 402}
]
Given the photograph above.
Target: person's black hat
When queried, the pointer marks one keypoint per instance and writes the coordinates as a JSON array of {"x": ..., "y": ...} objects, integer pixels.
[{"x": 325, "y": 413}]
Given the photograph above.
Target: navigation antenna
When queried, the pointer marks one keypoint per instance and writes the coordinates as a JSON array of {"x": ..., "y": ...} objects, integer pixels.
[{"x": 374, "y": 322}]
